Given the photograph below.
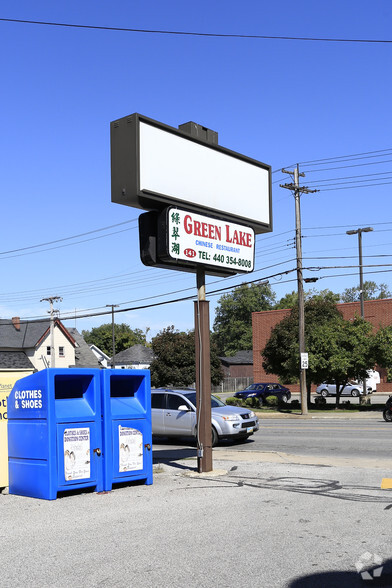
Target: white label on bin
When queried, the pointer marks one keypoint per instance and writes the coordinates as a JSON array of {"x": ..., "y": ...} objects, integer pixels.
[
  {"x": 130, "y": 449},
  {"x": 76, "y": 454}
]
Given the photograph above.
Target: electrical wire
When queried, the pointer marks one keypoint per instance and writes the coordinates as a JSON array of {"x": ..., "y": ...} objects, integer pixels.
[{"x": 192, "y": 33}]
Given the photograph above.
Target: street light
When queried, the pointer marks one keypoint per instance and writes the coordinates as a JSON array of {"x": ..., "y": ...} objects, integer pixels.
[{"x": 359, "y": 233}]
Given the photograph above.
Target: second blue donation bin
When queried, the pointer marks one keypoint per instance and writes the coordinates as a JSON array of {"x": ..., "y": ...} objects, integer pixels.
[
  {"x": 55, "y": 433},
  {"x": 127, "y": 432}
]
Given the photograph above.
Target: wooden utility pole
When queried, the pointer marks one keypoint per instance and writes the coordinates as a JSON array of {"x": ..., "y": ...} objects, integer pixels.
[
  {"x": 297, "y": 190},
  {"x": 113, "y": 306},
  {"x": 203, "y": 376},
  {"x": 52, "y": 311}
]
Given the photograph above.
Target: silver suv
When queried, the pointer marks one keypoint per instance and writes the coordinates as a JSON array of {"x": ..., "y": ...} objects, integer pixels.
[{"x": 174, "y": 415}]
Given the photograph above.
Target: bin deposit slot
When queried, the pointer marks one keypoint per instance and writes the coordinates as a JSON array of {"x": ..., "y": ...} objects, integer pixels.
[
  {"x": 69, "y": 387},
  {"x": 121, "y": 387}
]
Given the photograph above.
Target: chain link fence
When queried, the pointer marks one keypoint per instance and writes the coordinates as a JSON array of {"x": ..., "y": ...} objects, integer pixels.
[{"x": 231, "y": 385}]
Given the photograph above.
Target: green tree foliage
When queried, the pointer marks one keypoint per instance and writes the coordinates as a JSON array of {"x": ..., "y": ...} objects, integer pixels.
[
  {"x": 281, "y": 353},
  {"x": 233, "y": 316},
  {"x": 123, "y": 334},
  {"x": 291, "y": 299},
  {"x": 288, "y": 301},
  {"x": 174, "y": 363},
  {"x": 383, "y": 342},
  {"x": 339, "y": 350},
  {"x": 371, "y": 291}
]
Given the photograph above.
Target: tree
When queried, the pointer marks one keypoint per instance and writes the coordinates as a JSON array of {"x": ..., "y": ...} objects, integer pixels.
[
  {"x": 291, "y": 299},
  {"x": 123, "y": 334},
  {"x": 371, "y": 291},
  {"x": 383, "y": 342},
  {"x": 233, "y": 316},
  {"x": 174, "y": 363},
  {"x": 281, "y": 353},
  {"x": 339, "y": 350}
]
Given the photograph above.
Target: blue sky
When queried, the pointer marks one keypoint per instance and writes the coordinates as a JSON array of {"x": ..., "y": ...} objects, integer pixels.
[{"x": 279, "y": 101}]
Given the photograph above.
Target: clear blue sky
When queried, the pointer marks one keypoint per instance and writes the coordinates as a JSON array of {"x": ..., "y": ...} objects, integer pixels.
[{"x": 278, "y": 101}]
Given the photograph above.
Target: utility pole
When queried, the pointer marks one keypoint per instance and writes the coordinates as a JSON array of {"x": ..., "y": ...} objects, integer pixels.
[
  {"x": 298, "y": 190},
  {"x": 359, "y": 233},
  {"x": 113, "y": 306},
  {"x": 203, "y": 376},
  {"x": 52, "y": 312}
]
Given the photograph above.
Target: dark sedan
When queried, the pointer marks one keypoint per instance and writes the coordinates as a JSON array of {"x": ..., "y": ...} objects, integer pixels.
[{"x": 262, "y": 391}]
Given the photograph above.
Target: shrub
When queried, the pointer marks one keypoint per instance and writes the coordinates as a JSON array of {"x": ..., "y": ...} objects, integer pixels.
[
  {"x": 272, "y": 401},
  {"x": 232, "y": 401},
  {"x": 319, "y": 401},
  {"x": 252, "y": 402}
]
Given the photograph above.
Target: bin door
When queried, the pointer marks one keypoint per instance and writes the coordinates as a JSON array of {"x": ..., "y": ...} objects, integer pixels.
[
  {"x": 78, "y": 454},
  {"x": 131, "y": 442}
]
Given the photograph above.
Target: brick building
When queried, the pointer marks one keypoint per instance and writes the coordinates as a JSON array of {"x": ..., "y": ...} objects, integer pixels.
[{"x": 377, "y": 312}]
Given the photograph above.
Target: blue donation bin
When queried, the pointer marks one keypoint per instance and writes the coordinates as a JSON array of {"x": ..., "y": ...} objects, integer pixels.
[
  {"x": 55, "y": 433},
  {"x": 127, "y": 431}
]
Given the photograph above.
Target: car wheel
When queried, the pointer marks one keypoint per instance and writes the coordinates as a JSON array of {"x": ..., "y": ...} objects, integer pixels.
[
  {"x": 355, "y": 393},
  {"x": 214, "y": 437},
  {"x": 387, "y": 414},
  {"x": 324, "y": 393},
  {"x": 284, "y": 398}
]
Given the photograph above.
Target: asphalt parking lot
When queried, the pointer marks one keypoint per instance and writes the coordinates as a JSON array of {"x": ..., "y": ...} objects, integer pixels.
[{"x": 252, "y": 520}]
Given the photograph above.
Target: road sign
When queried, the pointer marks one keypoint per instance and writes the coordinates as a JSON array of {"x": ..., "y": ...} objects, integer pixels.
[{"x": 304, "y": 361}]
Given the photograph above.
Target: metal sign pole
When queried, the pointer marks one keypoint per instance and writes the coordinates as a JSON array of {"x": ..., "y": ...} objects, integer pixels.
[{"x": 203, "y": 377}]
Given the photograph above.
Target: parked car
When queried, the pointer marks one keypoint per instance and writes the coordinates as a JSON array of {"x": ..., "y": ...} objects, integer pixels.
[
  {"x": 350, "y": 389},
  {"x": 262, "y": 391},
  {"x": 174, "y": 415}
]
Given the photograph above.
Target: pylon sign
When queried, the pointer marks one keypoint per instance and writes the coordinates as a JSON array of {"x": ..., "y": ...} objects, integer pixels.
[{"x": 155, "y": 166}]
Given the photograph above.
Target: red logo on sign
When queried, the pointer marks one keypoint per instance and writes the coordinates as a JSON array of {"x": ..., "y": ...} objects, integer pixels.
[{"x": 190, "y": 252}]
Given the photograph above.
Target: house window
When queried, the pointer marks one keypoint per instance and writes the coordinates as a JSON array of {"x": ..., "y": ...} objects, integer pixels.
[
  {"x": 61, "y": 352},
  {"x": 48, "y": 351}
]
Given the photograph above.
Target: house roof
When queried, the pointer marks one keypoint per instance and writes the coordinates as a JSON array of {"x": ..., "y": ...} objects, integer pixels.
[
  {"x": 84, "y": 357},
  {"x": 17, "y": 334},
  {"x": 135, "y": 354},
  {"x": 240, "y": 358},
  {"x": 15, "y": 360}
]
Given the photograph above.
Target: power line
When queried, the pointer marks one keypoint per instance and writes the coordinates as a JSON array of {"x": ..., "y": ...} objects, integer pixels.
[
  {"x": 68, "y": 238},
  {"x": 193, "y": 33}
]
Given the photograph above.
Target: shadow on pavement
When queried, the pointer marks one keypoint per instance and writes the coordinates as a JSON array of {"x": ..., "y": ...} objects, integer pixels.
[{"x": 380, "y": 575}]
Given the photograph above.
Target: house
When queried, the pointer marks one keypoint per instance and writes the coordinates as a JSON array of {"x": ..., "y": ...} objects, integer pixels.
[
  {"x": 26, "y": 346},
  {"x": 377, "y": 312},
  {"x": 84, "y": 355},
  {"x": 135, "y": 357},
  {"x": 238, "y": 366}
]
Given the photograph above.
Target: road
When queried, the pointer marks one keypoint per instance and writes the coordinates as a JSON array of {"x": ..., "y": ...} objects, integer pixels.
[{"x": 369, "y": 438}]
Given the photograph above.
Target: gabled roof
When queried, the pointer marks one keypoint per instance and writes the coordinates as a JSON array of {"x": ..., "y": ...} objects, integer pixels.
[
  {"x": 84, "y": 357},
  {"x": 28, "y": 335},
  {"x": 135, "y": 354},
  {"x": 15, "y": 360},
  {"x": 240, "y": 358}
]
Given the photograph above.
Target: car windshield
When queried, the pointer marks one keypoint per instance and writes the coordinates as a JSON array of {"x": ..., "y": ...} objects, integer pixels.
[
  {"x": 254, "y": 387},
  {"x": 215, "y": 402}
]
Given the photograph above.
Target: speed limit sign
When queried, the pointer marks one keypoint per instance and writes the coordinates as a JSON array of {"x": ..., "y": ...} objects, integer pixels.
[{"x": 304, "y": 361}]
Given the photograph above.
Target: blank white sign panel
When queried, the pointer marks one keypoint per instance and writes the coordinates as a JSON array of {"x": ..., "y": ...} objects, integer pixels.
[{"x": 190, "y": 172}]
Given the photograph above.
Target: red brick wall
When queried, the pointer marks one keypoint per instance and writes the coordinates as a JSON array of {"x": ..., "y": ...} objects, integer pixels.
[{"x": 377, "y": 312}]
